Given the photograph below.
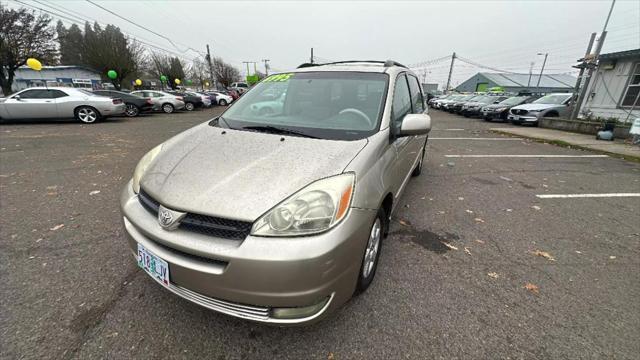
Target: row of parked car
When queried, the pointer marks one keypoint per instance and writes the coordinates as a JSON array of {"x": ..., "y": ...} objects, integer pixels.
[
  {"x": 518, "y": 109},
  {"x": 90, "y": 106}
]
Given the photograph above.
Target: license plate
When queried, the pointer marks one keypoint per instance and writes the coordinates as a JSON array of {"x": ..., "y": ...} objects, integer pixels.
[
  {"x": 516, "y": 117},
  {"x": 153, "y": 265}
]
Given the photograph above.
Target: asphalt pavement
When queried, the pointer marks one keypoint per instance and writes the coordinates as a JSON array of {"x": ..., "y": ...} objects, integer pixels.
[{"x": 477, "y": 266}]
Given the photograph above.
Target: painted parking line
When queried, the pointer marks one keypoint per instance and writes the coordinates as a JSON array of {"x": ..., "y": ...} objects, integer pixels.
[
  {"x": 447, "y": 129},
  {"x": 570, "y": 196},
  {"x": 526, "y": 156},
  {"x": 475, "y": 138}
]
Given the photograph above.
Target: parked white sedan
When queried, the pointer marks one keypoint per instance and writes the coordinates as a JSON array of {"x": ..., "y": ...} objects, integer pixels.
[{"x": 59, "y": 103}]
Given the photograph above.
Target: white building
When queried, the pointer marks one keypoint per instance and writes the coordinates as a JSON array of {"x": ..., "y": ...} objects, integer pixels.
[
  {"x": 615, "y": 87},
  {"x": 67, "y": 75}
]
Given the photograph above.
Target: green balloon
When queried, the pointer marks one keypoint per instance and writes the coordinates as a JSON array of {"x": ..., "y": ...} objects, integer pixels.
[
  {"x": 112, "y": 74},
  {"x": 188, "y": 82},
  {"x": 163, "y": 78}
]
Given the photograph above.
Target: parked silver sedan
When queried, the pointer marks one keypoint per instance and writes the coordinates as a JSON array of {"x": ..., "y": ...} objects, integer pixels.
[
  {"x": 281, "y": 217},
  {"x": 162, "y": 100},
  {"x": 59, "y": 103}
]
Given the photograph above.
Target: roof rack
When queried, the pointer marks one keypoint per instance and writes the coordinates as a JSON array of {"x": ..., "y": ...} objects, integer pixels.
[{"x": 387, "y": 63}]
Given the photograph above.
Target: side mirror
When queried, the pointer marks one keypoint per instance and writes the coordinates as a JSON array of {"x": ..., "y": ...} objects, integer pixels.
[
  {"x": 415, "y": 124},
  {"x": 17, "y": 97}
]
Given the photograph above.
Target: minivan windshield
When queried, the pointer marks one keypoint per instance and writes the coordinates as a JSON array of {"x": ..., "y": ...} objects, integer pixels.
[
  {"x": 324, "y": 104},
  {"x": 555, "y": 99}
]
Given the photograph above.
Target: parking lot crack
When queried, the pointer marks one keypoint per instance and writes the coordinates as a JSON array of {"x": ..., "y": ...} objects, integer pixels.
[{"x": 86, "y": 323}]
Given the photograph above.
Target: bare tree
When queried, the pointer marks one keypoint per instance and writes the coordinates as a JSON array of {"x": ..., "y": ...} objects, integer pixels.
[
  {"x": 23, "y": 35},
  {"x": 199, "y": 72},
  {"x": 171, "y": 67},
  {"x": 225, "y": 73}
]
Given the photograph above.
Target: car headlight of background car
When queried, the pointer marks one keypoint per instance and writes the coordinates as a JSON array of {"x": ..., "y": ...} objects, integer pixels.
[
  {"x": 316, "y": 208},
  {"x": 142, "y": 166}
]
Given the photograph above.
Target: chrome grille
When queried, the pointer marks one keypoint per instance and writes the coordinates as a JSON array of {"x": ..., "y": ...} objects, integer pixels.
[
  {"x": 252, "y": 312},
  {"x": 519, "y": 111}
]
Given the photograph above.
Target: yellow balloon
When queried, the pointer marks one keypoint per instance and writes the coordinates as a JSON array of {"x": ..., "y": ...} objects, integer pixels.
[
  {"x": 206, "y": 84},
  {"x": 177, "y": 81},
  {"x": 138, "y": 82},
  {"x": 34, "y": 64}
]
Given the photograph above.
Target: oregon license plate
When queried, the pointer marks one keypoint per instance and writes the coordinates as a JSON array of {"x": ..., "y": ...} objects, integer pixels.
[{"x": 153, "y": 265}]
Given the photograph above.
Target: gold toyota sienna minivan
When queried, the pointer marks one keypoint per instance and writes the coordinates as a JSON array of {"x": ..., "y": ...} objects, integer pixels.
[{"x": 276, "y": 210}]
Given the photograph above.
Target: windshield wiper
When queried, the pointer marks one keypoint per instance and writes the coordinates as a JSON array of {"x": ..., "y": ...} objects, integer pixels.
[
  {"x": 217, "y": 122},
  {"x": 278, "y": 130}
]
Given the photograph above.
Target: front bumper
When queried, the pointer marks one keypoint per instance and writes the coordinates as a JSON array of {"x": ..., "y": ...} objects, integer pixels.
[
  {"x": 522, "y": 118},
  {"x": 258, "y": 276}
]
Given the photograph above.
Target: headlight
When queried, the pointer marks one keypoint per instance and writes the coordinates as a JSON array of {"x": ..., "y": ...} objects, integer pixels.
[
  {"x": 500, "y": 109},
  {"x": 142, "y": 166},
  {"x": 316, "y": 208}
]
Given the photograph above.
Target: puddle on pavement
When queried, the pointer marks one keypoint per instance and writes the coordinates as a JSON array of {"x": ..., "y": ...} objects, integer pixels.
[{"x": 427, "y": 239}]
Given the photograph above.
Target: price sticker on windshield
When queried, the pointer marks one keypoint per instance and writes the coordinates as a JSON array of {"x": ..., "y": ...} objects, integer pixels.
[{"x": 278, "y": 77}]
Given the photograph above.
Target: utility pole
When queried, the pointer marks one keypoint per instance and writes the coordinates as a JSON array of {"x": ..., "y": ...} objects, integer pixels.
[
  {"x": 213, "y": 78},
  {"x": 582, "y": 66},
  {"x": 247, "y": 63},
  {"x": 266, "y": 67},
  {"x": 530, "y": 73},
  {"x": 592, "y": 64},
  {"x": 312, "y": 55},
  {"x": 542, "y": 70},
  {"x": 453, "y": 59}
]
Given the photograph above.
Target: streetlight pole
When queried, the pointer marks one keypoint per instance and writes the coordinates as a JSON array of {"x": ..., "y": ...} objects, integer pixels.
[{"x": 542, "y": 70}]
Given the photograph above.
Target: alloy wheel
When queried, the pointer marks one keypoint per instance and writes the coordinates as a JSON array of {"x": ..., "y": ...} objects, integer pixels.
[
  {"x": 87, "y": 115},
  {"x": 132, "y": 110},
  {"x": 371, "y": 252}
]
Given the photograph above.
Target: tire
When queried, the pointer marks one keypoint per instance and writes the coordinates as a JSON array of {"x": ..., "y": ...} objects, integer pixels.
[
  {"x": 222, "y": 102},
  {"x": 189, "y": 106},
  {"x": 132, "y": 110},
  {"x": 371, "y": 252},
  {"x": 168, "y": 108},
  {"x": 87, "y": 115},
  {"x": 418, "y": 170},
  {"x": 487, "y": 119}
]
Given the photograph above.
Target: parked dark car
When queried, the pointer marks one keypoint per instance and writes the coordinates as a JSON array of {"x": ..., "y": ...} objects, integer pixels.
[
  {"x": 191, "y": 102},
  {"x": 456, "y": 106},
  {"x": 500, "y": 110},
  {"x": 474, "y": 107},
  {"x": 135, "y": 104}
]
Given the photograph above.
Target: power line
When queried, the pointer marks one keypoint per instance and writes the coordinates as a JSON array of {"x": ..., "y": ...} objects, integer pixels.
[
  {"x": 144, "y": 28},
  {"x": 74, "y": 21}
]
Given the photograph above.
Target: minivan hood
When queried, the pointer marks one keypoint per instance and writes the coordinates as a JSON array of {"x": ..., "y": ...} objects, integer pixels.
[
  {"x": 239, "y": 174},
  {"x": 534, "y": 107}
]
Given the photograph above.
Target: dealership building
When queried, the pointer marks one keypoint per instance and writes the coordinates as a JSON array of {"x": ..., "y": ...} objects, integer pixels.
[
  {"x": 515, "y": 83},
  {"x": 66, "y": 75}
]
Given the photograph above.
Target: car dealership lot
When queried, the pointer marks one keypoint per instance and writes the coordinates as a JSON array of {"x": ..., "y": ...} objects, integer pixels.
[{"x": 458, "y": 277}]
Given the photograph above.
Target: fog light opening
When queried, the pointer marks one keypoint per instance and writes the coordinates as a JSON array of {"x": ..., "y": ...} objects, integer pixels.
[{"x": 299, "y": 312}]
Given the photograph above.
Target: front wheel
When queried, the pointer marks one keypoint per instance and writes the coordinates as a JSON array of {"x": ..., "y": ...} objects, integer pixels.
[
  {"x": 189, "y": 106},
  {"x": 132, "y": 110},
  {"x": 87, "y": 114},
  {"x": 222, "y": 102},
  {"x": 167, "y": 108},
  {"x": 371, "y": 253}
]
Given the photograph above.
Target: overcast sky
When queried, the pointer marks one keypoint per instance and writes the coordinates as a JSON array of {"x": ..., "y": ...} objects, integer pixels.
[{"x": 501, "y": 34}]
